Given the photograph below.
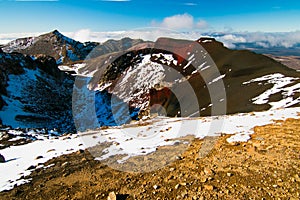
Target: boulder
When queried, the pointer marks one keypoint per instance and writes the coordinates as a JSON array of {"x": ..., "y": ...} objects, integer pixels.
[
  {"x": 48, "y": 65},
  {"x": 2, "y": 159},
  {"x": 112, "y": 196}
]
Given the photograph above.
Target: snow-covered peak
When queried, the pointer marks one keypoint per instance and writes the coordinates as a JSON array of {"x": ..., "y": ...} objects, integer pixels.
[
  {"x": 54, "y": 44},
  {"x": 18, "y": 44}
]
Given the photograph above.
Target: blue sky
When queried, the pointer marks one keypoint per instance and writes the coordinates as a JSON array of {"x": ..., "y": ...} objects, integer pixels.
[{"x": 109, "y": 15}]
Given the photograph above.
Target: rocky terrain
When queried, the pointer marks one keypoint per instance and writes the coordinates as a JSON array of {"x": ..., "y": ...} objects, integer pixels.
[
  {"x": 221, "y": 71},
  {"x": 169, "y": 77},
  {"x": 63, "y": 49},
  {"x": 34, "y": 91},
  {"x": 265, "y": 167},
  {"x": 51, "y": 85}
]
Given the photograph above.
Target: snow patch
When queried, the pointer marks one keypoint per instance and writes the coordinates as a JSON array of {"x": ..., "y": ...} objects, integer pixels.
[
  {"x": 20, "y": 158},
  {"x": 133, "y": 139},
  {"x": 206, "y": 41},
  {"x": 72, "y": 68},
  {"x": 279, "y": 82},
  {"x": 138, "y": 80},
  {"x": 217, "y": 79},
  {"x": 167, "y": 58}
]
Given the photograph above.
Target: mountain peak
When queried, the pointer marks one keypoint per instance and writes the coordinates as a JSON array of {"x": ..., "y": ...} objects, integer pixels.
[{"x": 57, "y": 33}]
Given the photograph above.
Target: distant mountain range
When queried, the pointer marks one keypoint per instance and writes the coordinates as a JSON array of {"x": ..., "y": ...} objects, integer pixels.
[
  {"x": 63, "y": 49},
  {"x": 276, "y": 44},
  {"x": 132, "y": 79},
  {"x": 276, "y": 51}
]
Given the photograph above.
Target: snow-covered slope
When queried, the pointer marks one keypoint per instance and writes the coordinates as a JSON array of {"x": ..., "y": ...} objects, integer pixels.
[
  {"x": 284, "y": 86},
  {"x": 128, "y": 141},
  {"x": 35, "y": 93}
]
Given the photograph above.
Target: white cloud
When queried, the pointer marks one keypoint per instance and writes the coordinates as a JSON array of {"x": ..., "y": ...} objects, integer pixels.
[
  {"x": 180, "y": 21},
  {"x": 148, "y": 34},
  {"x": 230, "y": 39},
  {"x": 190, "y": 4},
  {"x": 262, "y": 39},
  {"x": 7, "y": 37},
  {"x": 82, "y": 35},
  {"x": 4, "y": 41}
]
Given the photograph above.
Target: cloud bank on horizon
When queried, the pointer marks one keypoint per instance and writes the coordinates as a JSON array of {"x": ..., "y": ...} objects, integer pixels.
[
  {"x": 195, "y": 19},
  {"x": 230, "y": 39}
]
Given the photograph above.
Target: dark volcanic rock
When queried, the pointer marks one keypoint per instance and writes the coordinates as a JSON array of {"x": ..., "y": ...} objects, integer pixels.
[
  {"x": 48, "y": 65},
  {"x": 2, "y": 159},
  {"x": 228, "y": 86},
  {"x": 38, "y": 92},
  {"x": 241, "y": 66},
  {"x": 2, "y": 103}
]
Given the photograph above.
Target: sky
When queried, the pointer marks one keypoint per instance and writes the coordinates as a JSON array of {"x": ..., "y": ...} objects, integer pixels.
[{"x": 19, "y": 16}]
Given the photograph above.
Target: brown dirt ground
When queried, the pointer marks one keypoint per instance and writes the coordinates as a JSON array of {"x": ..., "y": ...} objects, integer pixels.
[{"x": 266, "y": 167}]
